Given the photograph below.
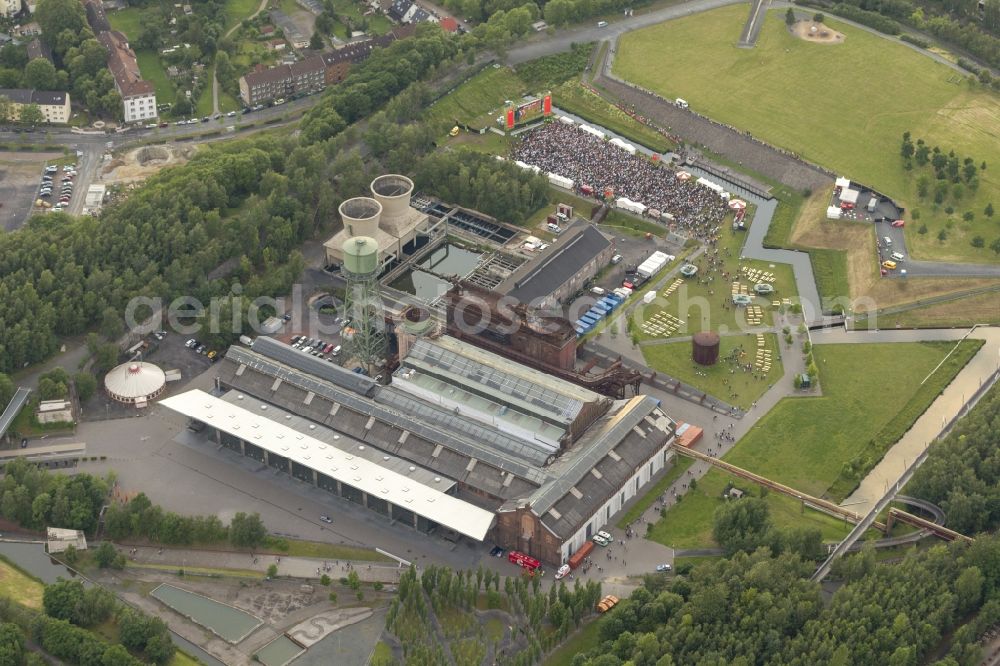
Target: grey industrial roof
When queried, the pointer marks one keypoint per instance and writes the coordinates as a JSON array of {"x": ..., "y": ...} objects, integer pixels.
[
  {"x": 14, "y": 407},
  {"x": 612, "y": 429},
  {"x": 348, "y": 444},
  {"x": 298, "y": 359},
  {"x": 365, "y": 475},
  {"x": 542, "y": 399},
  {"x": 576, "y": 246},
  {"x": 394, "y": 407}
]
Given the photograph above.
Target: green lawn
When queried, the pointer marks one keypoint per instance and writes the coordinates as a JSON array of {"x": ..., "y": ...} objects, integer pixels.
[
  {"x": 478, "y": 100},
  {"x": 237, "y": 10},
  {"x": 331, "y": 551},
  {"x": 681, "y": 465},
  {"x": 688, "y": 524},
  {"x": 722, "y": 380},
  {"x": 796, "y": 97},
  {"x": 706, "y": 305},
  {"x": 152, "y": 70},
  {"x": 871, "y": 395},
  {"x": 19, "y": 587},
  {"x": 127, "y": 21},
  {"x": 584, "y": 640}
]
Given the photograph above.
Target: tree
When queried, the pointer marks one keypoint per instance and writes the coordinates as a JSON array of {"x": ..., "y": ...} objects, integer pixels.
[
  {"x": 988, "y": 211},
  {"x": 789, "y": 17},
  {"x": 246, "y": 531},
  {"x": 7, "y": 389},
  {"x": 978, "y": 241},
  {"x": 111, "y": 324},
  {"x": 31, "y": 114},
  {"x": 105, "y": 554},
  {"x": 11, "y": 644},
  {"x": 40, "y": 74},
  {"x": 942, "y": 235},
  {"x": 741, "y": 524},
  {"x": 316, "y": 41},
  {"x": 6, "y": 109},
  {"x": 818, "y": 18},
  {"x": 272, "y": 571},
  {"x": 57, "y": 16},
  {"x": 86, "y": 385},
  {"x": 63, "y": 599}
]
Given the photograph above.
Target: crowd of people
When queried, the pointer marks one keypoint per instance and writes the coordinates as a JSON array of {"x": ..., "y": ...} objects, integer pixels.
[{"x": 586, "y": 159}]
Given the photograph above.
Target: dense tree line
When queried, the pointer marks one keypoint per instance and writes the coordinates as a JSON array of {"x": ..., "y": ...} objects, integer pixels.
[
  {"x": 962, "y": 471},
  {"x": 755, "y": 608},
  {"x": 35, "y": 499},
  {"x": 745, "y": 524},
  {"x": 495, "y": 187}
]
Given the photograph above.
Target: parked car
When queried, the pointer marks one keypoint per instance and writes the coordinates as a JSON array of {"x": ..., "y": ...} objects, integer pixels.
[
  {"x": 599, "y": 540},
  {"x": 326, "y": 519},
  {"x": 664, "y": 567},
  {"x": 190, "y": 344},
  {"x": 562, "y": 572},
  {"x": 605, "y": 535},
  {"x": 898, "y": 223}
]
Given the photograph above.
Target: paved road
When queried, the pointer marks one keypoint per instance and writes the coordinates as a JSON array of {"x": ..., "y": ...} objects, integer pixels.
[
  {"x": 543, "y": 45},
  {"x": 215, "y": 80},
  {"x": 758, "y": 9}
]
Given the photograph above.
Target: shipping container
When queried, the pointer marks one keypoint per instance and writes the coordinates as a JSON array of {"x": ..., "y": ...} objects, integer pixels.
[{"x": 577, "y": 558}]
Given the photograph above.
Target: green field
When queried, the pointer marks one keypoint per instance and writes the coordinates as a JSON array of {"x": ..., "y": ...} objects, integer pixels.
[
  {"x": 843, "y": 106},
  {"x": 737, "y": 388},
  {"x": 478, "y": 100},
  {"x": 237, "y": 10},
  {"x": 152, "y": 70},
  {"x": 584, "y": 640},
  {"x": 127, "y": 21},
  {"x": 688, "y": 524},
  {"x": 19, "y": 587},
  {"x": 870, "y": 392}
]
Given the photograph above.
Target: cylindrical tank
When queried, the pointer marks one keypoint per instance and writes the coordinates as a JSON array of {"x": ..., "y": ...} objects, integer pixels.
[
  {"x": 393, "y": 192},
  {"x": 705, "y": 348},
  {"x": 417, "y": 320},
  {"x": 361, "y": 216},
  {"x": 360, "y": 255}
]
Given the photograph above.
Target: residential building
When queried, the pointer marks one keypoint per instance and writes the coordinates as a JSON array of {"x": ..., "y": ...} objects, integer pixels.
[
  {"x": 10, "y": 8},
  {"x": 301, "y": 77},
  {"x": 138, "y": 96},
  {"x": 339, "y": 61},
  {"x": 28, "y": 29},
  {"x": 55, "y": 104}
]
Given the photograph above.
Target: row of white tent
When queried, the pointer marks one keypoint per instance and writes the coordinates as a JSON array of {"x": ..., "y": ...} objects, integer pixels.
[{"x": 615, "y": 141}]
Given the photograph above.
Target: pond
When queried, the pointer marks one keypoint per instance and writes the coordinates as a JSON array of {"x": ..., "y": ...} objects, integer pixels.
[
  {"x": 447, "y": 259},
  {"x": 228, "y": 622},
  {"x": 279, "y": 652}
]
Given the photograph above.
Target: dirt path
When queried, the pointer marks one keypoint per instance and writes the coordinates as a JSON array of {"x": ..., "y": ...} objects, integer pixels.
[{"x": 215, "y": 80}]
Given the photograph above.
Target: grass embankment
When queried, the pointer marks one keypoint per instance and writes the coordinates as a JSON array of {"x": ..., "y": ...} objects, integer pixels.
[
  {"x": 578, "y": 100},
  {"x": 584, "y": 640},
  {"x": 681, "y": 465},
  {"x": 19, "y": 586},
  {"x": 721, "y": 380},
  {"x": 479, "y": 100},
  {"x": 871, "y": 396},
  {"x": 798, "y": 108}
]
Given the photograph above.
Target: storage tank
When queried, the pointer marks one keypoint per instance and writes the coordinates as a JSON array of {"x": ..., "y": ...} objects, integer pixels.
[
  {"x": 705, "y": 348},
  {"x": 361, "y": 216},
  {"x": 360, "y": 255},
  {"x": 393, "y": 192}
]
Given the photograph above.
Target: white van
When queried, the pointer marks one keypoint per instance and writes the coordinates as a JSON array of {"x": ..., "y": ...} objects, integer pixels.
[
  {"x": 680, "y": 103},
  {"x": 887, "y": 240},
  {"x": 602, "y": 24},
  {"x": 597, "y": 291},
  {"x": 898, "y": 256},
  {"x": 554, "y": 228}
]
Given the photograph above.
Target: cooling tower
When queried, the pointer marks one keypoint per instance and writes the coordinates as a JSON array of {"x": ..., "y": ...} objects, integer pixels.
[
  {"x": 393, "y": 192},
  {"x": 361, "y": 216}
]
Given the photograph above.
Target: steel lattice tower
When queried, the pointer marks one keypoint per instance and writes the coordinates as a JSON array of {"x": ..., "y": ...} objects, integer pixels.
[{"x": 363, "y": 301}]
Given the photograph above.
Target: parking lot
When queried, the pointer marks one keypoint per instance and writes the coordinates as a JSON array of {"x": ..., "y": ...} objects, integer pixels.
[{"x": 20, "y": 175}]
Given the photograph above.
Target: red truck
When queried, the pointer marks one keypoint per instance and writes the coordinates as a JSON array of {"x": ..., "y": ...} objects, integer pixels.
[{"x": 577, "y": 558}]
